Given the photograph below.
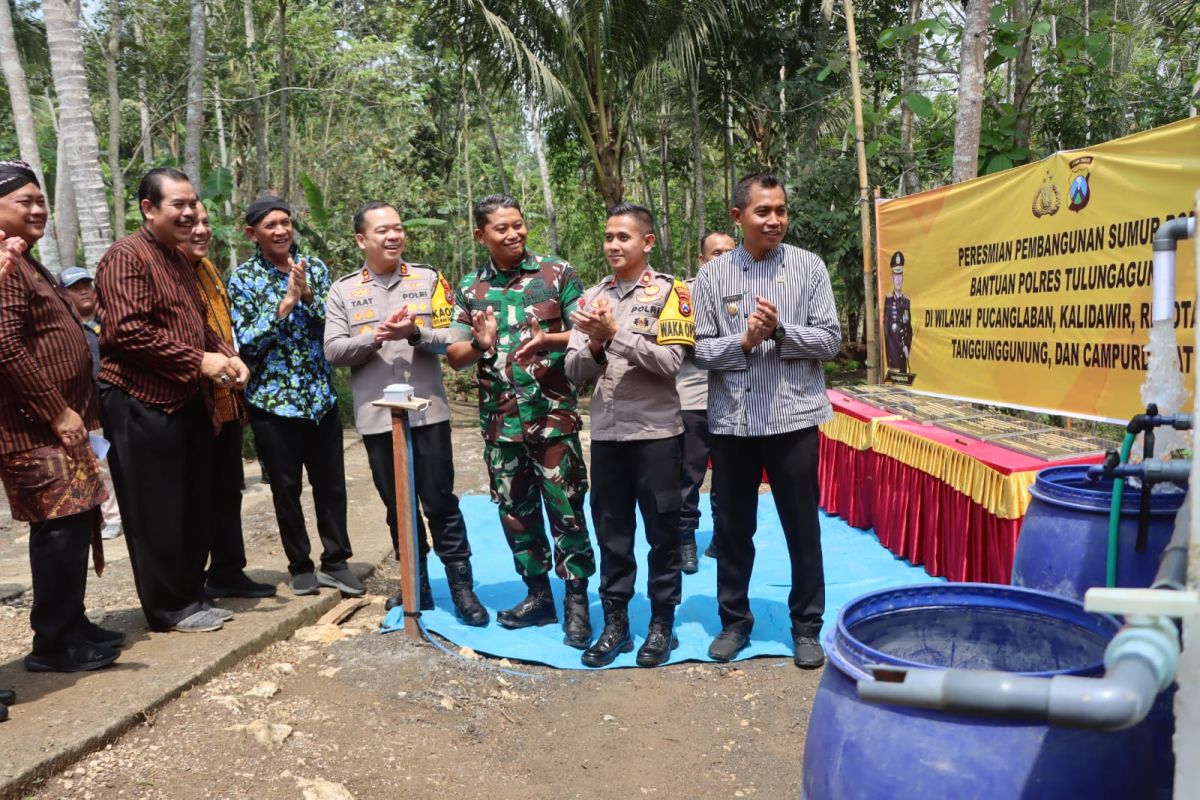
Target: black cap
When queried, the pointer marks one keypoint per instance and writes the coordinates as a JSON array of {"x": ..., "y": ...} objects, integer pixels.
[
  {"x": 263, "y": 206},
  {"x": 897, "y": 263},
  {"x": 14, "y": 175}
]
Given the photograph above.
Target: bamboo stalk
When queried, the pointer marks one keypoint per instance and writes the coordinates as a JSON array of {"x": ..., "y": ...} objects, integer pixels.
[{"x": 864, "y": 203}]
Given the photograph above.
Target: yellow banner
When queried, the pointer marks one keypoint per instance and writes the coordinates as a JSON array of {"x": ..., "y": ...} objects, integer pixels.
[{"x": 1031, "y": 287}]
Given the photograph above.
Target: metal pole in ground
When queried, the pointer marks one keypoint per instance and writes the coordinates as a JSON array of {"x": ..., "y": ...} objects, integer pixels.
[{"x": 406, "y": 508}]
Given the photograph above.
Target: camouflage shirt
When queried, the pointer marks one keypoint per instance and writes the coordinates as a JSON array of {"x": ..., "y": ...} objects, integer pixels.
[{"x": 516, "y": 403}]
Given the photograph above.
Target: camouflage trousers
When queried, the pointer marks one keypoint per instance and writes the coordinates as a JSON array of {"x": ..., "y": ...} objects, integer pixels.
[{"x": 522, "y": 475}]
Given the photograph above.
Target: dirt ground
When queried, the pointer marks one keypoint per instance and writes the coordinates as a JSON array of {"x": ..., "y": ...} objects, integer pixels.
[{"x": 337, "y": 712}]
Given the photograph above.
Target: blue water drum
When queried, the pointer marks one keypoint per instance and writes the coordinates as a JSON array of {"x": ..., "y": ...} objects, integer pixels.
[
  {"x": 1063, "y": 546},
  {"x": 862, "y": 751}
]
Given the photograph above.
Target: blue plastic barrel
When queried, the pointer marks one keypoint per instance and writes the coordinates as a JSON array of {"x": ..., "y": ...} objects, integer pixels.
[
  {"x": 1063, "y": 545},
  {"x": 860, "y": 751}
]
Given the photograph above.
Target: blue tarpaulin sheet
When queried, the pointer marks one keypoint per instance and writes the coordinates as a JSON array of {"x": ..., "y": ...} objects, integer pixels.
[{"x": 855, "y": 563}]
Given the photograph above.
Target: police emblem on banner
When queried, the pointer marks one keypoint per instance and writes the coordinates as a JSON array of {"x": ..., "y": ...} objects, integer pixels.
[
  {"x": 1080, "y": 192},
  {"x": 1047, "y": 200}
]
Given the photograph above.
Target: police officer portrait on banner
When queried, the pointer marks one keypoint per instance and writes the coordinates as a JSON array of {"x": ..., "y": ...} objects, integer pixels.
[{"x": 897, "y": 325}]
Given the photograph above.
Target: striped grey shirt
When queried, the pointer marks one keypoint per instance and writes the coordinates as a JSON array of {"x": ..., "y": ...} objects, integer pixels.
[{"x": 774, "y": 388}]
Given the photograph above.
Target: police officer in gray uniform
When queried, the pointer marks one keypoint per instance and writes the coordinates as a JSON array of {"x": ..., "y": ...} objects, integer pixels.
[{"x": 388, "y": 323}]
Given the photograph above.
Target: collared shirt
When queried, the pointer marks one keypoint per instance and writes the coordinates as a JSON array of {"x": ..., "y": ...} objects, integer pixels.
[
  {"x": 516, "y": 403},
  {"x": 45, "y": 364},
  {"x": 289, "y": 375},
  {"x": 635, "y": 395},
  {"x": 154, "y": 333},
  {"x": 692, "y": 382},
  {"x": 775, "y": 388},
  {"x": 227, "y": 402},
  {"x": 359, "y": 302}
]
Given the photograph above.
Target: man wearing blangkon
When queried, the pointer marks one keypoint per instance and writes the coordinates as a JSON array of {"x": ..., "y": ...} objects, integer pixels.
[{"x": 765, "y": 320}]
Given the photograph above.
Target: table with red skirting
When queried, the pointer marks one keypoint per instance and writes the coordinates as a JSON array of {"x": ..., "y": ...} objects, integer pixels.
[{"x": 946, "y": 501}]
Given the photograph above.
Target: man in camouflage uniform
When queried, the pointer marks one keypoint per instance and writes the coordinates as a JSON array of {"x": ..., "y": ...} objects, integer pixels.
[{"x": 512, "y": 319}]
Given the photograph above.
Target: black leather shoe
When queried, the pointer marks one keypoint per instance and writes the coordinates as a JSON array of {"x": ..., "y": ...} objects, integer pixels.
[
  {"x": 710, "y": 551},
  {"x": 809, "y": 653},
  {"x": 3, "y": 713},
  {"x": 660, "y": 641},
  {"x": 577, "y": 620},
  {"x": 462, "y": 593},
  {"x": 241, "y": 585},
  {"x": 689, "y": 564},
  {"x": 82, "y": 658},
  {"x": 727, "y": 645},
  {"x": 101, "y": 637},
  {"x": 536, "y": 609},
  {"x": 8, "y": 697},
  {"x": 614, "y": 639}
]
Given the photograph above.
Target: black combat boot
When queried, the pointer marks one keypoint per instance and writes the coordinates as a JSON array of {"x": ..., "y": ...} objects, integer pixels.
[
  {"x": 689, "y": 564},
  {"x": 536, "y": 609},
  {"x": 426, "y": 592},
  {"x": 462, "y": 593},
  {"x": 614, "y": 639},
  {"x": 577, "y": 621},
  {"x": 660, "y": 641}
]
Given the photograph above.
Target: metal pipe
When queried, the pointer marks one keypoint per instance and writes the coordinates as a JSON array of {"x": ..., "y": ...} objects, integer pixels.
[
  {"x": 1166, "y": 240},
  {"x": 1173, "y": 567},
  {"x": 1153, "y": 470},
  {"x": 1140, "y": 663}
]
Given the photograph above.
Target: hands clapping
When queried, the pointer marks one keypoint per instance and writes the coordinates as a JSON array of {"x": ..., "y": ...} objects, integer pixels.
[
  {"x": 598, "y": 323},
  {"x": 484, "y": 328},
  {"x": 761, "y": 324},
  {"x": 396, "y": 327}
]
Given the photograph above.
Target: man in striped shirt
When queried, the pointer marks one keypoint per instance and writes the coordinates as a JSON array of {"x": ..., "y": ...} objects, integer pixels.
[
  {"x": 47, "y": 407},
  {"x": 158, "y": 363},
  {"x": 765, "y": 320}
]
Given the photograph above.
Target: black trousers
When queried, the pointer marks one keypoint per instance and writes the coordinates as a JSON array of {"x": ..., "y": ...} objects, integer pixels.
[
  {"x": 790, "y": 460},
  {"x": 228, "y": 546},
  {"x": 289, "y": 447},
  {"x": 161, "y": 467},
  {"x": 433, "y": 477},
  {"x": 696, "y": 447},
  {"x": 627, "y": 476},
  {"x": 58, "y": 559}
]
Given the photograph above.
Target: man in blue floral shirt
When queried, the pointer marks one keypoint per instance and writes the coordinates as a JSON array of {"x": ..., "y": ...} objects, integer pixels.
[{"x": 278, "y": 304}]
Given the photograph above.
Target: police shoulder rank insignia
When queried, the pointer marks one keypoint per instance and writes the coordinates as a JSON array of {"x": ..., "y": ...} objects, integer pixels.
[
  {"x": 675, "y": 323},
  {"x": 366, "y": 275},
  {"x": 646, "y": 278},
  {"x": 403, "y": 270}
]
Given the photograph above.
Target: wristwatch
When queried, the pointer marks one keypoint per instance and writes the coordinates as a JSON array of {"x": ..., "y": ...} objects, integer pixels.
[
  {"x": 779, "y": 333},
  {"x": 415, "y": 337},
  {"x": 477, "y": 346}
]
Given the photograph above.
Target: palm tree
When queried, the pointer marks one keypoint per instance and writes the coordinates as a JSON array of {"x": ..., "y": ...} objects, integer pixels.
[
  {"x": 591, "y": 59},
  {"x": 76, "y": 125},
  {"x": 22, "y": 108}
]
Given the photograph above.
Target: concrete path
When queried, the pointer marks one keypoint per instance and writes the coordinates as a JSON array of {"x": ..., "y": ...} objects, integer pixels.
[{"x": 59, "y": 717}]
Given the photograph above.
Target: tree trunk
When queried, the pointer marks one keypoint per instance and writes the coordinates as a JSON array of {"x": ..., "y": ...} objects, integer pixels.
[
  {"x": 224, "y": 153},
  {"x": 194, "y": 126},
  {"x": 64, "y": 195},
  {"x": 285, "y": 147},
  {"x": 697, "y": 155},
  {"x": 262, "y": 158},
  {"x": 539, "y": 149},
  {"x": 111, "y": 53},
  {"x": 139, "y": 38},
  {"x": 969, "y": 113},
  {"x": 22, "y": 108},
  {"x": 491, "y": 129},
  {"x": 647, "y": 187},
  {"x": 912, "y": 51},
  {"x": 730, "y": 169},
  {"x": 77, "y": 126},
  {"x": 666, "y": 239},
  {"x": 1023, "y": 77}
]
